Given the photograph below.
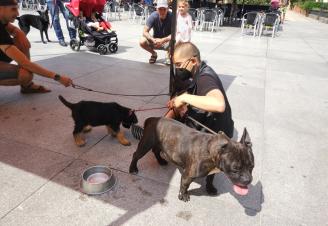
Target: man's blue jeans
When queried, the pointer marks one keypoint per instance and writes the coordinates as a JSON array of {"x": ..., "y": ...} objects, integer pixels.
[{"x": 54, "y": 9}]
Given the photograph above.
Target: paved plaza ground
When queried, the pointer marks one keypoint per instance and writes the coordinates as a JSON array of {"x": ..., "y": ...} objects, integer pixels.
[{"x": 277, "y": 88}]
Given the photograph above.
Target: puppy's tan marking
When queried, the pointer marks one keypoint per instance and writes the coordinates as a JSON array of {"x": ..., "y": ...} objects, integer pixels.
[
  {"x": 87, "y": 129},
  {"x": 79, "y": 140},
  {"x": 120, "y": 137}
]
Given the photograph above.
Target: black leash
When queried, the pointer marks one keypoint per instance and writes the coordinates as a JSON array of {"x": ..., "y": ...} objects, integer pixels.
[
  {"x": 195, "y": 121},
  {"x": 202, "y": 125},
  {"x": 118, "y": 94}
]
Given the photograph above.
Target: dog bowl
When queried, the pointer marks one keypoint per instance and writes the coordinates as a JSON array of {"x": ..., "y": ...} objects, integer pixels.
[{"x": 97, "y": 180}]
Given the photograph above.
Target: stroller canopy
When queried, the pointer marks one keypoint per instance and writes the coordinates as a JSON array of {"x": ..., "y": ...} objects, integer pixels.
[{"x": 86, "y": 6}]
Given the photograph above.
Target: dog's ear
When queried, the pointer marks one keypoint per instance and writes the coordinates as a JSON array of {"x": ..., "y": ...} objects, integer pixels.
[
  {"x": 245, "y": 139},
  {"x": 218, "y": 143},
  {"x": 223, "y": 140}
]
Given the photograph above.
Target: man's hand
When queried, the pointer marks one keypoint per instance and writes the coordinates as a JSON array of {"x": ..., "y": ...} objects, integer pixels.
[
  {"x": 21, "y": 39},
  {"x": 65, "y": 80},
  {"x": 178, "y": 104},
  {"x": 157, "y": 42},
  {"x": 179, "y": 100}
]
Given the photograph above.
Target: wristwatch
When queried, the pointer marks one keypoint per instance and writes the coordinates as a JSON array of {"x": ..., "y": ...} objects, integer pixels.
[{"x": 57, "y": 77}]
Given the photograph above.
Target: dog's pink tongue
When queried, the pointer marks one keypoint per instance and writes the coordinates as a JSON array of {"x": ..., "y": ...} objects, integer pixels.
[{"x": 240, "y": 190}]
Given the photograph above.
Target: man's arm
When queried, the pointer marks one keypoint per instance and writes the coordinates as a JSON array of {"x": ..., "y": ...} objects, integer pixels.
[
  {"x": 18, "y": 35},
  {"x": 147, "y": 35},
  {"x": 213, "y": 101},
  {"x": 166, "y": 39},
  {"x": 12, "y": 29},
  {"x": 14, "y": 53}
]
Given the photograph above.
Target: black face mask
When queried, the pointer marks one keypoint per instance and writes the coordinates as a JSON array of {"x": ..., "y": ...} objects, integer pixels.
[
  {"x": 182, "y": 73},
  {"x": 183, "y": 78}
]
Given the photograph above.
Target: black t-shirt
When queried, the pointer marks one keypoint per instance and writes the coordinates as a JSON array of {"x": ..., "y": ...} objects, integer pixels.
[
  {"x": 5, "y": 39},
  {"x": 162, "y": 28},
  {"x": 206, "y": 81}
]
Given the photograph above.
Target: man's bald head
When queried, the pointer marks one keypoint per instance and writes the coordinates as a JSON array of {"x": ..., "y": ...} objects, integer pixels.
[{"x": 186, "y": 51}]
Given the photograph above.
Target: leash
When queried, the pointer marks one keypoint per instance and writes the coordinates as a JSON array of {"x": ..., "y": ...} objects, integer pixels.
[
  {"x": 75, "y": 86},
  {"x": 137, "y": 131},
  {"x": 149, "y": 109},
  {"x": 198, "y": 123},
  {"x": 202, "y": 125}
]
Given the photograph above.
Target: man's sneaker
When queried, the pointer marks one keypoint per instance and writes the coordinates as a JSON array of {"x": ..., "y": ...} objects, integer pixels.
[{"x": 62, "y": 43}]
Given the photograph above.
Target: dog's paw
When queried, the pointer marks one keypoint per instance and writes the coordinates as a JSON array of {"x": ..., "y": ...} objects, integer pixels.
[
  {"x": 211, "y": 190},
  {"x": 44, "y": 42},
  {"x": 133, "y": 170},
  {"x": 184, "y": 197},
  {"x": 80, "y": 143},
  {"x": 126, "y": 143}
]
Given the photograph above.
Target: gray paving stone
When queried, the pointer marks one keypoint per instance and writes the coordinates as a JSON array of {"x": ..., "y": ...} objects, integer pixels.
[
  {"x": 23, "y": 170},
  {"x": 276, "y": 87},
  {"x": 133, "y": 200}
]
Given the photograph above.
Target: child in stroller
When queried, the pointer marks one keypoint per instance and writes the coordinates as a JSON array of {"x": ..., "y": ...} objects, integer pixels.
[
  {"x": 97, "y": 37},
  {"x": 95, "y": 22}
]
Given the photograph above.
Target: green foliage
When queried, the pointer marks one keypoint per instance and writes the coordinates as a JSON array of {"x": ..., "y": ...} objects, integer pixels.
[
  {"x": 254, "y": 2},
  {"x": 309, "y": 4}
]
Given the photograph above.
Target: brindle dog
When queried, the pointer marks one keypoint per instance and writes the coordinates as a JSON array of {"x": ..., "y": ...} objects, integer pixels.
[{"x": 198, "y": 154}]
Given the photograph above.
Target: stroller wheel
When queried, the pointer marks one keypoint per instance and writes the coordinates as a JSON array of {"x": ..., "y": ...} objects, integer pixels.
[
  {"x": 112, "y": 47},
  {"x": 75, "y": 45},
  {"x": 102, "y": 49}
]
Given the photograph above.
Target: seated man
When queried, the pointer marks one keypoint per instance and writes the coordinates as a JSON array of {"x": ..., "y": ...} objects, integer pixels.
[
  {"x": 160, "y": 21},
  {"x": 201, "y": 89},
  {"x": 15, "y": 46}
]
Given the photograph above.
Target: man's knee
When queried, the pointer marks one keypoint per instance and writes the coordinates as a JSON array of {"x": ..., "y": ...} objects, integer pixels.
[
  {"x": 143, "y": 42},
  {"x": 24, "y": 76}
]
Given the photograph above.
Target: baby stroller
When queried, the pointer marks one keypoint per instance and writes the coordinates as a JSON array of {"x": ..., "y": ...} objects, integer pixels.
[{"x": 101, "y": 41}]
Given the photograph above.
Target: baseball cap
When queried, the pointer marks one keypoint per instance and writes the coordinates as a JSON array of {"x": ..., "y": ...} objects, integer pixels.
[
  {"x": 161, "y": 4},
  {"x": 8, "y": 2}
]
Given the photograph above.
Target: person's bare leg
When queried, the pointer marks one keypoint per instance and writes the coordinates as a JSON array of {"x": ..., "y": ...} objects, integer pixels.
[
  {"x": 144, "y": 44},
  {"x": 25, "y": 77}
]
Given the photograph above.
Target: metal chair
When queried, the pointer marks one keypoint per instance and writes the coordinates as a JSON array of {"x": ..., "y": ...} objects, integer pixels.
[
  {"x": 208, "y": 19},
  {"x": 113, "y": 7},
  {"x": 269, "y": 22},
  {"x": 250, "y": 22},
  {"x": 149, "y": 10},
  {"x": 138, "y": 13},
  {"x": 220, "y": 16},
  {"x": 194, "y": 17}
]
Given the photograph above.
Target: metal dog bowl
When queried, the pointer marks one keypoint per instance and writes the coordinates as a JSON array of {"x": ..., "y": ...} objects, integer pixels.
[{"x": 97, "y": 180}]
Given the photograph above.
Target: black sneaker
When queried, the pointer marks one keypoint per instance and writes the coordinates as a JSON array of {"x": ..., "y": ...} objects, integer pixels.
[{"x": 62, "y": 43}]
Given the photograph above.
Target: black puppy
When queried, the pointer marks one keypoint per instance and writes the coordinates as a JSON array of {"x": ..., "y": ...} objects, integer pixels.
[
  {"x": 198, "y": 154},
  {"x": 40, "y": 22},
  {"x": 91, "y": 113}
]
